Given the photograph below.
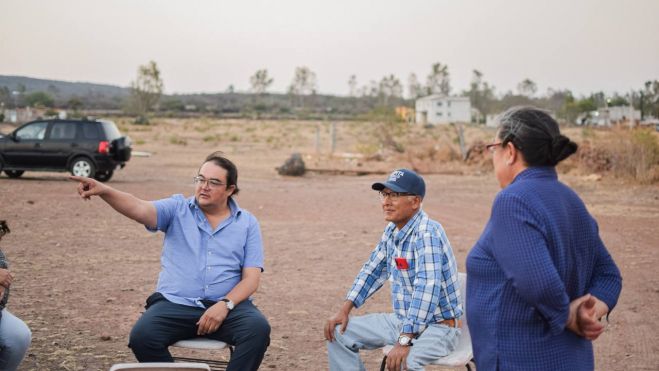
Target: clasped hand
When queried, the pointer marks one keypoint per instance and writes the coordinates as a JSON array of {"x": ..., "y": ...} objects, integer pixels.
[{"x": 585, "y": 315}]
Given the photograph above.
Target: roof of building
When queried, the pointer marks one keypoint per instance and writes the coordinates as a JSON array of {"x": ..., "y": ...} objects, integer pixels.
[{"x": 443, "y": 97}]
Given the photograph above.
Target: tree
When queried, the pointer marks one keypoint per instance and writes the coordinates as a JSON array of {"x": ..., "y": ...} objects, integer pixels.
[
  {"x": 74, "y": 103},
  {"x": 260, "y": 81},
  {"x": 481, "y": 95},
  {"x": 389, "y": 87},
  {"x": 414, "y": 88},
  {"x": 304, "y": 83},
  {"x": 438, "y": 81},
  {"x": 39, "y": 99},
  {"x": 618, "y": 100},
  {"x": 5, "y": 96},
  {"x": 650, "y": 99},
  {"x": 352, "y": 84},
  {"x": 146, "y": 90},
  {"x": 527, "y": 88}
]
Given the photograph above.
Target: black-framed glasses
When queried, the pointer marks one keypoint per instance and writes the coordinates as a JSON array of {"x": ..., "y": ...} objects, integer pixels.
[
  {"x": 212, "y": 183},
  {"x": 4, "y": 228},
  {"x": 392, "y": 195},
  {"x": 493, "y": 146}
]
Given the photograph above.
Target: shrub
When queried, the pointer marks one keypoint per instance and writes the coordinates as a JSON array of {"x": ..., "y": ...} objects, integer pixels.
[
  {"x": 636, "y": 155},
  {"x": 175, "y": 139}
]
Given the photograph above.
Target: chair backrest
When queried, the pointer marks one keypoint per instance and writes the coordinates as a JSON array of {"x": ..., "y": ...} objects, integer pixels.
[
  {"x": 462, "y": 282},
  {"x": 161, "y": 366},
  {"x": 463, "y": 352},
  {"x": 465, "y": 338}
]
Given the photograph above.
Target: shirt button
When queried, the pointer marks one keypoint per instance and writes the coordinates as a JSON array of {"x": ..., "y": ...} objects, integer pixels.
[
  {"x": 208, "y": 268},
  {"x": 206, "y": 286}
]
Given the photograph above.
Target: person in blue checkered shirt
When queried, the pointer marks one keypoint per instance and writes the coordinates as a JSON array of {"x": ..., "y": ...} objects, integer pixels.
[{"x": 416, "y": 256}]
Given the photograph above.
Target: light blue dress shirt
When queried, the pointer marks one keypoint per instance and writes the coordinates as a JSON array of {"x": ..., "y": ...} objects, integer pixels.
[{"x": 198, "y": 263}]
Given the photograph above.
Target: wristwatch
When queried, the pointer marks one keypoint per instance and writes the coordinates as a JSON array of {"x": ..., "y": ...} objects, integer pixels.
[
  {"x": 229, "y": 303},
  {"x": 405, "y": 341}
]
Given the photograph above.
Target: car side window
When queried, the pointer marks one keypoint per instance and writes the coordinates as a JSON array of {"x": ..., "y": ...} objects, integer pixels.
[
  {"x": 35, "y": 131},
  {"x": 89, "y": 131},
  {"x": 63, "y": 131}
]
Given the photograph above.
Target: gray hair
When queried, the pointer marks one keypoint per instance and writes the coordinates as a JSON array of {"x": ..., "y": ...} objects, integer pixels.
[{"x": 536, "y": 134}]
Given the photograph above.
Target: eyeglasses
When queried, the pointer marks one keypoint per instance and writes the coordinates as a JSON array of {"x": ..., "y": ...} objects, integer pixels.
[
  {"x": 4, "y": 228},
  {"x": 212, "y": 183},
  {"x": 492, "y": 147},
  {"x": 393, "y": 195}
]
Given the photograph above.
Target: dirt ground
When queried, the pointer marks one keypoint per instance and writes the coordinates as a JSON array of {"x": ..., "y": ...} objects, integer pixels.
[{"x": 82, "y": 271}]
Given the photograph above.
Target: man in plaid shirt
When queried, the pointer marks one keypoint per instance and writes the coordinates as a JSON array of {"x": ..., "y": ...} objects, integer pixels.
[{"x": 416, "y": 256}]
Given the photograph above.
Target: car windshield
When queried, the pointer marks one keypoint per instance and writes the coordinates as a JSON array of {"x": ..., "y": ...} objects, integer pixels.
[{"x": 111, "y": 130}]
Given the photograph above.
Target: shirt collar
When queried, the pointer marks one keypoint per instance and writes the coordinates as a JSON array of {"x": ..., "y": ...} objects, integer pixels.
[
  {"x": 410, "y": 225},
  {"x": 233, "y": 206},
  {"x": 537, "y": 172}
]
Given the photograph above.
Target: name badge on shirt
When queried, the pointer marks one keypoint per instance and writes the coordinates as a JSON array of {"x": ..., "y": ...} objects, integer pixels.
[{"x": 401, "y": 263}]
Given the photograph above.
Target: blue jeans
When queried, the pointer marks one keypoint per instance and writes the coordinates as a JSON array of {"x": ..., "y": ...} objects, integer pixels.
[
  {"x": 165, "y": 323},
  {"x": 15, "y": 338},
  {"x": 376, "y": 330}
]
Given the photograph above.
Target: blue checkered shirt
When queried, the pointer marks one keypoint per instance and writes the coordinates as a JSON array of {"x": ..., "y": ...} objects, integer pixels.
[{"x": 425, "y": 293}]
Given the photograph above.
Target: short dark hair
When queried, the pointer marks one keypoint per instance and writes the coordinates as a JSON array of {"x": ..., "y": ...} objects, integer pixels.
[
  {"x": 4, "y": 228},
  {"x": 220, "y": 160},
  {"x": 536, "y": 134}
]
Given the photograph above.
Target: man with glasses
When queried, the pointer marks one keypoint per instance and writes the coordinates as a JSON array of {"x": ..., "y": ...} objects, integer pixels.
[
  {"x": 211, "y": 264},
  {"x": 416, "y": 256}
]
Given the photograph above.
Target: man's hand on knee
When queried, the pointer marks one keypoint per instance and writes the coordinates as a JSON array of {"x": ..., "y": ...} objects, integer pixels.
[
  {"x": 397, "y": 358},
  {"x": 340, "y": 318},
  {"x": 212, "y": 319}
]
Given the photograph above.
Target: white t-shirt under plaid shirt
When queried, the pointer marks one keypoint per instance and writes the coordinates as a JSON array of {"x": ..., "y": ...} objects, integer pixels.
[{"x": 427, "y": 291}]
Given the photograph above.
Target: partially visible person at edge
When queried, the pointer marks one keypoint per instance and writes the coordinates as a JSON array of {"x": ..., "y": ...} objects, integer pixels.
[
  {"x": 540, "y": 280},
  {"x": 15, "y": 336},
  {"x": 211, "y": 264},
  {"x": 415, "y": 254}
]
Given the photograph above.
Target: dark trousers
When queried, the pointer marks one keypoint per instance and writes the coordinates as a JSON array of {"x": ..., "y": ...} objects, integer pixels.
[{"x": 165, "y": 323}]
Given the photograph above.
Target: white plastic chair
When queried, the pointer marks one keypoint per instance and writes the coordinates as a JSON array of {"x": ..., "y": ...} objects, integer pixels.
[
  {"x": 160, "y": 366},
  {"x": 202, "y": 343},
  {"x": 463, "y": 354}
]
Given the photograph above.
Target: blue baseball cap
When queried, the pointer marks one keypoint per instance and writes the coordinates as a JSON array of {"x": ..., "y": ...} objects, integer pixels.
[{"x": 403, "y": 180}]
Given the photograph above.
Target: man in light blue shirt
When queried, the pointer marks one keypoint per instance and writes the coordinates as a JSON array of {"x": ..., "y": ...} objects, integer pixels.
[{"x": 211, "y": 264}]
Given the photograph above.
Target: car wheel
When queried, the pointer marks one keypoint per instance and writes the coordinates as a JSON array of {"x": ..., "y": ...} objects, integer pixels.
[
  {"x": 14, "y": 173},
  {"x": 104, "y": 176},
  {"x": 84, "y": 167}
]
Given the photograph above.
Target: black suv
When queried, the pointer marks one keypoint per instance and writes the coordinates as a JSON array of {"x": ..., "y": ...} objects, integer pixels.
[{"x": 90, "y": 148}]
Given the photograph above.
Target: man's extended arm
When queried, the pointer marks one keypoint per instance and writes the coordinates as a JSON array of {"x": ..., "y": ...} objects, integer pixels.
[{"x": 125, "y": 203}]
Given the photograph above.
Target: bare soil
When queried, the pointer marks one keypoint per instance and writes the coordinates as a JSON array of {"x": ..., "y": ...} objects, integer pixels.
[{"x": 82, "y": 271}]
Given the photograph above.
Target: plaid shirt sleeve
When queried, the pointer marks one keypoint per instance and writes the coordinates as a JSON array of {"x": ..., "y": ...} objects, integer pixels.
[
  {"x": 371, "y": 277},
  {"x": 430, "y": 263}
]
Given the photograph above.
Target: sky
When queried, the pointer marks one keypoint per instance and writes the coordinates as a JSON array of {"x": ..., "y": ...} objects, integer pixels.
[{"x": 205, "y": 46}]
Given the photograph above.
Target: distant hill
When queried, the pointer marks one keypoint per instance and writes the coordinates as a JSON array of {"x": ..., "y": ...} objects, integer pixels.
[
  {"x": 91, "y": 95},
  {"x": 109, "y": 97},
  {"x": 61, "y": 88}
]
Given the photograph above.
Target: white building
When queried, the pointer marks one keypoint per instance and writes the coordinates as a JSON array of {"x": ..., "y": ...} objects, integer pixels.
[
  {"x": 605, "y": 116},
  {"x": 439, "y": 109}
]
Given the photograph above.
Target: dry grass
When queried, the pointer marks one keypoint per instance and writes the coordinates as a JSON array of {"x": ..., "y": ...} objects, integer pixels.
[{"x": 620, "y": 152}]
